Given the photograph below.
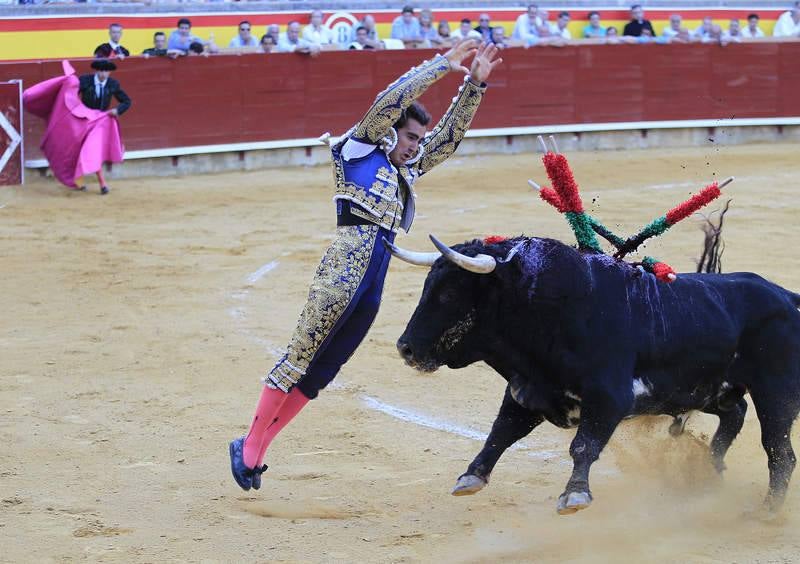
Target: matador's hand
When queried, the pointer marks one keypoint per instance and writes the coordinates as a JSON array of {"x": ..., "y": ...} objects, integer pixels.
[
  {"x": 484, "y": 63},
  {"x": 459, "y": 52}
]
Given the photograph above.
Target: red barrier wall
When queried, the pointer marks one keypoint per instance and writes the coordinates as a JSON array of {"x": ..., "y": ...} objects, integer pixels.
[{"x": 232, "y": 99}]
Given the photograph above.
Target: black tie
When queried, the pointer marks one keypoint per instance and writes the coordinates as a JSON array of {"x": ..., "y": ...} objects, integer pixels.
[{"x": 101, "y": 95}]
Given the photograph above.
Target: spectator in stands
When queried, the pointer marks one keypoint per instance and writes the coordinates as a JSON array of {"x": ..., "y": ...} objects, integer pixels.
[
  {"x": 465, "y": 31},
  {"x": 611, "y": 31},
  {"x": 315, "y": 32},
  {"x": 198, "y": 48},
  {"x": 112, "y": 49},
  {"x": 734, "y": 32},
  {"x": 594, "y": 29},
  {"x": 634, "y": 27},
  {"x": 159, "y": 48},
  {"x": 443, "y": 31},
  {"x": 683, "y": 36},
  {"x": 546, "y": 36},
  {"x": 362, "y": 41},
  {"x": 484, "y": 27},
  {"x": 714, "y": 35},
  {"x": 244, "y": 38},
  {"x": 182, "y": 37},
  {"x": 498, "y": 37},
  {"x": 268, "y": 44},
  {"x": 704, "y": 31},
  {"x": 527, "y": 24},
  {"x": 274, "y": 31},
  {"x": 372, "y": 33},
  {"x": 291, "y": 42},
  {"x": 405, "y": 27},
  {"x": 674, "y": 26},
  {"x": 560, "y": 27},
  {"x": 752, "y": 31},
  {"x": 430, "y": 36},
  {"x": 788, "y": 24}
]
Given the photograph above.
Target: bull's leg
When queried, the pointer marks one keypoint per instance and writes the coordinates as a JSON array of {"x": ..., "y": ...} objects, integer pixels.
[
  {"x": 776, "y": 420},
  {"x": 730, "y": 423},
  {"x": 601, "y": 412},
  {"x": 513, "y": 422}
]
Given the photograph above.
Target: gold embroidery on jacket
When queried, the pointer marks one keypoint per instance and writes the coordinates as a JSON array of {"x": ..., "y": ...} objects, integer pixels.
[{"x": 443, "y": 139}]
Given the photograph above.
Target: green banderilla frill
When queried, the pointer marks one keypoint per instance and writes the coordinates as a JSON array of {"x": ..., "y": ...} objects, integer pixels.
[{"x": 582, "y": 227}]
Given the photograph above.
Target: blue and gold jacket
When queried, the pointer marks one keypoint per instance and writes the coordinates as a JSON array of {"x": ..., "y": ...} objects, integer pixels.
[{"x": 384, "y": 194}]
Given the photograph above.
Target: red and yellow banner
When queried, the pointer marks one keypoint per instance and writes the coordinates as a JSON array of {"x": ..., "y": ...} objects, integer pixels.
[{"x": 50, "y": 37}]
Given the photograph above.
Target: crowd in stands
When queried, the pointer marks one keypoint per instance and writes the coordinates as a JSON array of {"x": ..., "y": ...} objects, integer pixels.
[{"x": 410, "y": 29}]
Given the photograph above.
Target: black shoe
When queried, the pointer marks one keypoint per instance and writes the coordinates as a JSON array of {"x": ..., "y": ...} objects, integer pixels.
[
  {"x": 82, "y": 188},
  {"x": 241, "y": 473},
  {"x": 257, "y": 477},
  {"x": 104, "y": 190}
]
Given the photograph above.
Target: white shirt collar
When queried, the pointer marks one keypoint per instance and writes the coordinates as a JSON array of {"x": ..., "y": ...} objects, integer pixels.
[
  {"x": 97, "y": 81},
  {"x": 113, "y": 45}
]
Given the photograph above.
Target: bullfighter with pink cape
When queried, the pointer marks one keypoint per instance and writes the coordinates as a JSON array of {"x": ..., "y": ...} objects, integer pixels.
[{"x": 81, "y": 132}]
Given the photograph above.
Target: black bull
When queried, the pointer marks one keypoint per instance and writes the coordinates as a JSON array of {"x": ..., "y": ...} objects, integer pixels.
[{"x": 584, "y": 340}]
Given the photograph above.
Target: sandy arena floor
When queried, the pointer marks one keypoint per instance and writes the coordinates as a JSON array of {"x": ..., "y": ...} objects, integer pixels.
[{"x": 136, "y": 328}]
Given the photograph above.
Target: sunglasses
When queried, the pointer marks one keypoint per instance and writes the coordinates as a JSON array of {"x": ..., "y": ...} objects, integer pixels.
[{"x": 244, "y": 29}]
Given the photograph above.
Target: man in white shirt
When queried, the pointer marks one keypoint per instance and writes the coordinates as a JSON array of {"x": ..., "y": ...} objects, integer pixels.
[
  {"x": 291, "y": 42},
  {"x": 752, "y": 31},
  {"x": 734, "y": 32},
  {"x": 527, "y": 24},
  {"x": 559, "y": 29},
  {"x": 674, "y": 27},
  {"x": 788, "y": 24},
  {"x": 317, "y": 33},
  {"x": 244, "y": 38},
  {"x": 704, "y": 31},
  {"x": 465, "y": 31}
]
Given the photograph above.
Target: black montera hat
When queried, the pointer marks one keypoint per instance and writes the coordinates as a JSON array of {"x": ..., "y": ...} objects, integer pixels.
[{"x": 103, "y": 65}]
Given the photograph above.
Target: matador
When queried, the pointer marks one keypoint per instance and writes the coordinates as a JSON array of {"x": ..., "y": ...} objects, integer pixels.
[{"x": 375, "y": 166}]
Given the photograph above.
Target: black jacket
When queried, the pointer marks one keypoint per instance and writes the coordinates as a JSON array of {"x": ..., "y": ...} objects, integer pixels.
[
  {"x": 104, "y": 50},
  {"x": 89, "y": 96},
  {"x": 634, "y": 28}
]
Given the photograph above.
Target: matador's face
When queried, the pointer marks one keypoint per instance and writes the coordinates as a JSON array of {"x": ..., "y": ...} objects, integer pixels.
[{"x": 408, "y": 139}]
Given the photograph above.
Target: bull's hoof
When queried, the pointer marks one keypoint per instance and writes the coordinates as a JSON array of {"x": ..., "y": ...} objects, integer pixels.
[
  {"x": 569, "y": 503},
  {"x": 469, "y": 484},
  {"x": 678, "y": 425}
]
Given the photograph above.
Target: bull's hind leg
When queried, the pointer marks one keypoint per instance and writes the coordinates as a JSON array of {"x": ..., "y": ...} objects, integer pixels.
[
  {"x": 601, "y": 412},
  {"x": 776, "y": 414},
  {"x": 513, "y": 422},
  {"x": 730, "y": 423}
]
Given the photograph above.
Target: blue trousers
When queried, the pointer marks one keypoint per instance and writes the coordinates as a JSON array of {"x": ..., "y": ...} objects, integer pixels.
[{"x": 329, "y": 347}]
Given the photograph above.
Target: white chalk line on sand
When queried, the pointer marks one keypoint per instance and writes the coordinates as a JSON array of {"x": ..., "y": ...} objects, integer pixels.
[
  {"x": 441, "y": 425},
  {"x": 240, "y": 315}
]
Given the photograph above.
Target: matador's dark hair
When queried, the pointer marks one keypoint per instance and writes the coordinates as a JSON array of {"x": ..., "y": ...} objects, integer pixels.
[{"x": 415, "y": 111}]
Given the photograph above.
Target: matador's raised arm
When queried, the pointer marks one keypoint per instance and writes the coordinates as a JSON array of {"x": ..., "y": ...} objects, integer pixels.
[{"x": 399, "y": 95}]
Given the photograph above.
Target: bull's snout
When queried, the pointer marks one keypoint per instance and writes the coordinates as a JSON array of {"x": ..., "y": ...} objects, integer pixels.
[{"x": 405, "y": 350}]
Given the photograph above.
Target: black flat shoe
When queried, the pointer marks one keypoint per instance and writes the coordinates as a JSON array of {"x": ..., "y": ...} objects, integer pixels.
[{"x": 103, "y": 190}]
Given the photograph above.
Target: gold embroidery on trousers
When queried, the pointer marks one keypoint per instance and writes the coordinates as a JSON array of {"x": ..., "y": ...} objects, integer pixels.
[{"x": 337, "y": 278}]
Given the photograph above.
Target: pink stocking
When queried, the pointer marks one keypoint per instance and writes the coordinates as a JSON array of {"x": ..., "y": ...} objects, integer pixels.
[
  {"x": 266, "y": 416},
  {"x": 291, "y": 407}
]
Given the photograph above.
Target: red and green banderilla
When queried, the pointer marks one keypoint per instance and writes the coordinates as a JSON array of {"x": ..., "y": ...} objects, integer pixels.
[{"x": 566, "y": 199}]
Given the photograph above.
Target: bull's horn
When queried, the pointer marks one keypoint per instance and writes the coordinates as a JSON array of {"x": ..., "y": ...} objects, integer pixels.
[
  {"x": 418, "y": 259},
  {"x": 481, "y": 264}
]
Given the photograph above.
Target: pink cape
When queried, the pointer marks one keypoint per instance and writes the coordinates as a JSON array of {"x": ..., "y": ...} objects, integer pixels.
[{"x": 78, "y": 140}]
